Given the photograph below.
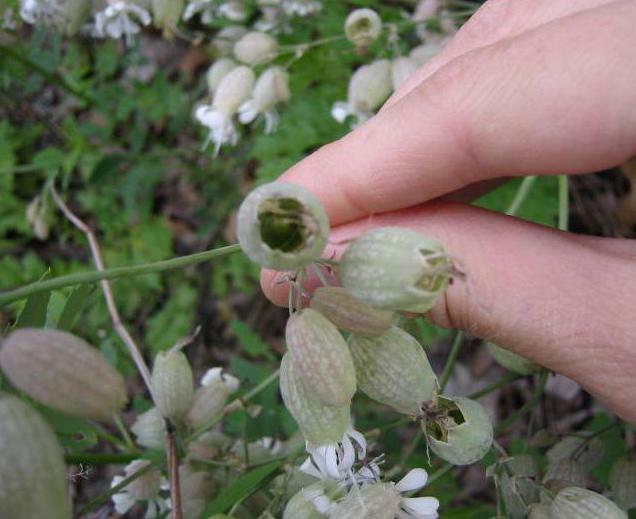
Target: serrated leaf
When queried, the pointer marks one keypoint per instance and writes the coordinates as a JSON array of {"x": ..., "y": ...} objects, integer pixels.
[{"x": 241, "y": 488}]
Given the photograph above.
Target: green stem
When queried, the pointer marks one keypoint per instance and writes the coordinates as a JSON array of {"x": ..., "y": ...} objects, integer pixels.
[
  {"x": 439, "y": 473},
  {"x": 121, "y": 427},
  {"x": 528, "y": 406},
  {"x": 521, "y": 195},
  {"x": 93, "y": 276},
  {"x": 564, "y": 203},
  {"x": 503, "y": 381},
  {"x": 452, "y": 358},
  {"x": 102, "y": 459},
  {"x": 52, "y": 77}
]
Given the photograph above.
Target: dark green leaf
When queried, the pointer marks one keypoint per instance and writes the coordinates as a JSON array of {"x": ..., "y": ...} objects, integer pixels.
[
  {"x": 73, "y": 306},
  {"x": 33, "y": 314}
]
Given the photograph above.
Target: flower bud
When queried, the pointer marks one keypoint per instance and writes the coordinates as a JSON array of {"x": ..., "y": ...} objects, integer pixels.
[
  {"x": 256, "y": 48},
  {"x": 362, "y": 27},
  {"x": 233, "y": 90},
  {"x": 564, "y": 472},
  {"x": 32, "y": 468},
  {"x": 149, "y": 429},
  {"x": 588, "y": 452},
  {"x": 166, "y": 13},
  {"x": 622, "y": 481},
  {"x": 320, "y": 424},
  {"x": 210, "y": 398},
  {"x": 458, "y": 430},
  {"x": 580, "y": 503},
  {"x": 395, "y": 269},
  {"x": 172, "y": 384},
  {"x": 349, "y": 314},
  {"x": 64, "y": 372},
  {"x": 393, "y": 369},
  {"x": 321, "y": 358},
  {"x": 226, "y": 38},
  {"x": 217, "y": 71},
  {"x": 511, "y": 360},
  {"x": 377, "y": 501},
  {"x": 282, "y": 226},
  {"x": 401, "y": 70}
]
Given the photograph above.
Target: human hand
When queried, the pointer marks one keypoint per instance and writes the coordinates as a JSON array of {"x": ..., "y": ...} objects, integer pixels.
[{"x": 526, "y": 87}]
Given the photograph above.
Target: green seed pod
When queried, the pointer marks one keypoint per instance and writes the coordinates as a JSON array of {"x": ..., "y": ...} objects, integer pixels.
[
  {"x": 166, "y": 13},
  {"x": 211, "y": 397},
  {"x": 314, "y": 501},
  {"x": 375, "y": 501},
  {"x": 172, "y": 384},
  {"x": 349, "y": 314},
  {"x": 539, "y": 511},
  {"x": 622, "y": 481},
  {"x": 394, "y": 370},
  {"x": 588, "y": 452},
  {"x": 196, "y": 487},
  {"x": 362, "y": 27},
  {"x": 320, "y": 424},
  {"x": 458, "y": 430},
  {"x": 32, "y": 469},
  {"x": 510, "y": 360},
  {"x": 149, "y": 429},
  {"x": 580, "y": 503},
  {"x": 395, "y": 269},
  {"x": 256, "y": 48},
  {"x": 321, "y": 358},
  {"x": 282, "y": 226},
  {"x": 564, "y": 472},
  {"x": 64, "y": 372}
]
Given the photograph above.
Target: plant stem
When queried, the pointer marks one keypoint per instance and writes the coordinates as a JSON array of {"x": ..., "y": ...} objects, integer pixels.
[
  {"x": 503, "y": 381},
  {"x": 102, "y": 459},
  {"x": 521, "y": 195},
  {"x": 51, "y": 76},
  {"x": 121, "y": 427},
  {"x": 528, "y": 406},
  {"x": 452, "y": 358},
  {"x": 114, "y": 273},
  {"x": 173, "y": 471},
  {"x": 564, "y": 203},
  {"x": 439, "y": 473}
]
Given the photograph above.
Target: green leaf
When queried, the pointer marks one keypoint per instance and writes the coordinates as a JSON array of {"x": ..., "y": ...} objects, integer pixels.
[
  {"x": 76, "y": 434},
  {"x": 251, "y": 343},
  {"x": 33, "y": 314},
  {"x": 73, "y": 306},
  {"x": 241, "y": 488}
]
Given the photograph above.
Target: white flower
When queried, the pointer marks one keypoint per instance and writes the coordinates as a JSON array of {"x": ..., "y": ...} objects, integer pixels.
[
  {"x": 416, "y": 507},
  {"x": 149, "y": 429},
  {"x": 121, "y": 18},
  {"x": 335, "y": 460},
  {"x": 206, "y": 7},
  {"x": 270, "y": 89},
  {"x": 144, "y": 488},
  {"x": 214, "y": 374},
  {"x": 39, "y": 11},
  {"x": 217, "y": 71},
  {"x": 233, "y": 90},
  {"x": 233, "y": 10},
  {"x": 369, "y": 87},
  {"x": 301, "y": 7}
]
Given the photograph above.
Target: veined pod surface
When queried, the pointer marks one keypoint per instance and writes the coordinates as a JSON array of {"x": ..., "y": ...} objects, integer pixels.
[
  {"x": 394, "y": 370},
  {"x": 588, "y": 452},
  {"x": 511, "y": 360},
  {"x": 282, "y": 226},
  {"x": 349, "y": 314},
  {"x": 172, "y": 384},
  {"x": 319, "y": 423},
  {"x": 375, "y": 501},
  {"x": 518, "y": 481},
  {"x": 256, "y": 48},
  {"x": 564, "y": 472},
  {"x": 32, "y": 468},
  {"x": 64, "y": 372},
  {"x": 580, "y": 503},
  {"x": 396, "y": 269},
  {"x": 321, "y": 357},
  {"x": 459, "y": 430},
  {"x": 622, "y": 481}
]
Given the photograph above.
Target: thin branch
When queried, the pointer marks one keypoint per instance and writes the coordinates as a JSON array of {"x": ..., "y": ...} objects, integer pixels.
[
  {"x": 452, "y": 358},
  {"x": 173, "y": 471},
  {"x": 93, "y": 276}
]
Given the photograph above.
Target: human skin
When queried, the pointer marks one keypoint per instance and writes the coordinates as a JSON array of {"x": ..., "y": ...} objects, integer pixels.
[{"x": 539, "y": 87}]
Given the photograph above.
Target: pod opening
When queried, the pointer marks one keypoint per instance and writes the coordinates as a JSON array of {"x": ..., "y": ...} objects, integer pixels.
[{"x": 286, "y": 225}]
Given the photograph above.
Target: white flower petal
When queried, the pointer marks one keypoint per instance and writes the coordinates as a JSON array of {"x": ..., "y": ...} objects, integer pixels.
[
  {"x": 310, "y": 469},
  {"x": 414, "y": 480},
  {"x": 340, "y": 111},
  {"x": 361, "y": 442},
  {"x": 420, "y": 507},
  {"x": 213, "y": 374}
]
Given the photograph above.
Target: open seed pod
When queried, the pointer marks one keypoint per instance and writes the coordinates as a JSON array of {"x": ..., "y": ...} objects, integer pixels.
[
  {"x": 172, "y": 384},
  {"x": 64, "y": 372},
  {"x": 32, "y": 468},
  {"x": 394, "y": 370},
  {"x": 362, "y": 27},
  {"x": 458, "y": 430},
  {"x": 282, "y": 226},
  {"x": 580, "y": 503},
  {"x": 395, "y": 269},
  {"x": 319, "y": 423},
  {"x": 349, "y": 314},
  {"x": 321, "y": 357}
]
